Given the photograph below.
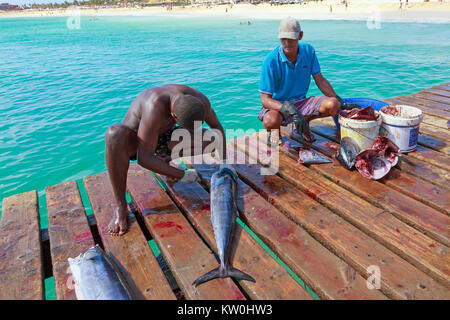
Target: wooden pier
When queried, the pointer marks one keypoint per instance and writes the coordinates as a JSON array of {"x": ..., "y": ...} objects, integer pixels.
[{"x": 327, "y": 226}]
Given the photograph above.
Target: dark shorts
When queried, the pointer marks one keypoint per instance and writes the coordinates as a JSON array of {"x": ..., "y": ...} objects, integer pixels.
[
  {"x": 162, "y": 148},
  {"x": 308, "y": 107}
]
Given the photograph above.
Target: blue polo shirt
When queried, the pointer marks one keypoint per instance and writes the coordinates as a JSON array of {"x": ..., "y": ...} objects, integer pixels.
[{"x": 285, "y": 81}]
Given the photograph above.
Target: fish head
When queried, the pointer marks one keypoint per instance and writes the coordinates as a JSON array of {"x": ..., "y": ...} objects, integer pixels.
[{"x": 347, "y": 152}]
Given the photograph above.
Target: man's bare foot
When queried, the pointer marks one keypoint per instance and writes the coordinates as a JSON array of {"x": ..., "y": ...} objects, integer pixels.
[{"x": 119, "y": 222}]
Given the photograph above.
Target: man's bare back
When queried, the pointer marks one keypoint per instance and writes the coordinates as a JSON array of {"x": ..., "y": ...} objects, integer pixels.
[
  {"x": 144, "y": 135},
  {"x": 157, "y": 99}
]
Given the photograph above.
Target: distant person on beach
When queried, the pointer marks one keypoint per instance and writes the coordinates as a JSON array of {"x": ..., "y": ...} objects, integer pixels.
[
  {"x": 285, "y": 78},
  {"x": 145, "y": 135}
]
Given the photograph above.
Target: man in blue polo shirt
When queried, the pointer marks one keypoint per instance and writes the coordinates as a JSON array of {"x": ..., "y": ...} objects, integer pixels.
[{"x": 285, "y": 78}]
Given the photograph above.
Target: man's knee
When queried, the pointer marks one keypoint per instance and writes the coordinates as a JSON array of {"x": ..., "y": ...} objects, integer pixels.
[
  {"x": 331, "y": 107},
  {"x": 116, "y": 133},
  {"x": 272, "y": 120}
]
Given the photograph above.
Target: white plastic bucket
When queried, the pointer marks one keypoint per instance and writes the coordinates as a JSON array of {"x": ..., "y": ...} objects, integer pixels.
[
  {"x": 361, "y": 132},
  {"x": 401, "y": 126}
]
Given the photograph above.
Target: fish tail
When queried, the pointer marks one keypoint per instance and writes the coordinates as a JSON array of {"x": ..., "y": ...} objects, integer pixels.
[
  {"x": 215, "y": 273},
  {"x": 223, "y": 273},
  {"x": 239, "y": 275}
]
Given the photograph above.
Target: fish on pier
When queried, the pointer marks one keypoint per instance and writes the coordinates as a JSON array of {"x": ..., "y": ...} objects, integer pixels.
[
  {"x": 223, "y": 220},
  {"x": 96, "y": 278}
]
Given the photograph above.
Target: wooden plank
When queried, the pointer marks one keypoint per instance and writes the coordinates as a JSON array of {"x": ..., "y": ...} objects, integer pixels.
[
  {"x": 69, "y": 233},
  {"x": 21, "y": 269},
  {"x": 400, "y": 280},
  {"x": 323, "y": 127},
  {"x": 433, "y": 157},
  {"x": 425, "y": 171},
  {"x": 444, "y": 87},
  {"x": 428, "y": 113},
  {"x": 328, "y": 276},
  {"x": 430, "y": 107},
  {"x": 432, "y": 97},
  {"x": 436, "y": 91},
  {"x": 272, "y": 280},
  {"x": 402, "y": 239},
  {"x": 185, "y": 252},
  {"x": 130, "y": 252},
  {"x": 422, "y": 217},
  {"x": 437, "y": 132}
]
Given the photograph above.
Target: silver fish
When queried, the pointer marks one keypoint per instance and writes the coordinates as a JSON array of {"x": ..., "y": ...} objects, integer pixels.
[
  {"x": 307, "y": 156},
  {"x": 223, "y": 219},
  {"x": 347, "y": 152},
  {"x": 96, "y": 278}
]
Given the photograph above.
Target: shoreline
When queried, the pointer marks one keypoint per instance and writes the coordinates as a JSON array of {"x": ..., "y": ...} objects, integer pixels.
[{"x": 419, "y": 12}]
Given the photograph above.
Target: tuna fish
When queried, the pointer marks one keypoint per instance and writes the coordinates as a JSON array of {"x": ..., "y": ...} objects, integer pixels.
[
  {"x": 347, "y": 153},
  {"x": 223, "y": 219},
  {"x": 96, "y": 278},
  {"x": 308, "y": 156}
]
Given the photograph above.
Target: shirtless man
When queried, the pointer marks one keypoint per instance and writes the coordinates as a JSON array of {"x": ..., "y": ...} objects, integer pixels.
[{"x": 145, "y": 135}]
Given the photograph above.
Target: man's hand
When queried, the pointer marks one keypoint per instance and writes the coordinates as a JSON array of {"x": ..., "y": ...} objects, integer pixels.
[
  {"x": 347, "y": 106},
  {"x": 288, "y": 109}
]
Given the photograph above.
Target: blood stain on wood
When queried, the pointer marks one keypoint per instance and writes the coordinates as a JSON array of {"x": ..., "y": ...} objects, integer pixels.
[
  {"x": 206, "y": 207},
  {"x": 311, "y": 194},
  {"x": 169, "y": 224}
]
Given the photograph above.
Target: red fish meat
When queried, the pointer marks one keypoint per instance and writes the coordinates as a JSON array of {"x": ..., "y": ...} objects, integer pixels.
[{"x": 368, "y": 113}]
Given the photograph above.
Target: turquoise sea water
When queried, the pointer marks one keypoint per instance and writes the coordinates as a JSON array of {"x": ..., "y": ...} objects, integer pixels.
[{"x": 60, "y": 89}]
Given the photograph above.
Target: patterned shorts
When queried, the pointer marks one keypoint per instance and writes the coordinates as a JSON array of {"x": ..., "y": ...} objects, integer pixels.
[{"x": 308, "y": 107}]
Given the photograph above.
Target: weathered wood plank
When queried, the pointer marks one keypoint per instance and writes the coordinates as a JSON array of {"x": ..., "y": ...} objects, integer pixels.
[
  {"x": 432, "y": 97},
  {"x": 430, "y": 107},
  {"x": 425, "y": 171},
  {"x": 130, "y": 252},
  {"x": 433, "y": 131},
  {"x": 21, "y": 268},
  {"x": 323, "y": 127},
  {"x": 184, "y": 251},
  {"x": 444, "y": 87},
  {"x": 428, "y": 114},
  {"x": 69, "y": 233},
  {"x": 436, "y": 91},
  {"x": 420, "y": 250},
  {"x": 328, "y": 276},
  {"x": 400, "y": 280},
  {"x": 422, "y": 217},
  {"x": 272, "y": 280}
]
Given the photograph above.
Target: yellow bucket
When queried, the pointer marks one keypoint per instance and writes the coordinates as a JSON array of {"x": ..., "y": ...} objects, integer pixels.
[{"x": 361, "y": 132}]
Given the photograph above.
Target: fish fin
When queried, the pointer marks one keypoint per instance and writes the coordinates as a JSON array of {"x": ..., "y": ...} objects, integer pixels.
[
  {"x": 215, "y": 273},
  {"x": 239, "y": 275},
  {"x": 218, "y": 273}
]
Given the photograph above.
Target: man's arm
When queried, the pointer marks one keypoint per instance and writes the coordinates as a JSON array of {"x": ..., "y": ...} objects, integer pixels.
[
  {"x": 324, "y": 85},
  {"x": 147, "y": 142},
  {"x": 269, "y": 103}
]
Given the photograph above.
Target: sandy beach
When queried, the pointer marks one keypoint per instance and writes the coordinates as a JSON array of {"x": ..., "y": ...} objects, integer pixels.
[{"x": 381, "y": 10}]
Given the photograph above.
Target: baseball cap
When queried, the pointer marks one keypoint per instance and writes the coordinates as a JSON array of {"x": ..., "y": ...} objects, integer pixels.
[{"x": 289, "y": 29}]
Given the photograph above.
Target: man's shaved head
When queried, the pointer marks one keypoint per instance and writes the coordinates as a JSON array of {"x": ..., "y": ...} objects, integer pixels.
[{"x": 188, "y": 109}]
